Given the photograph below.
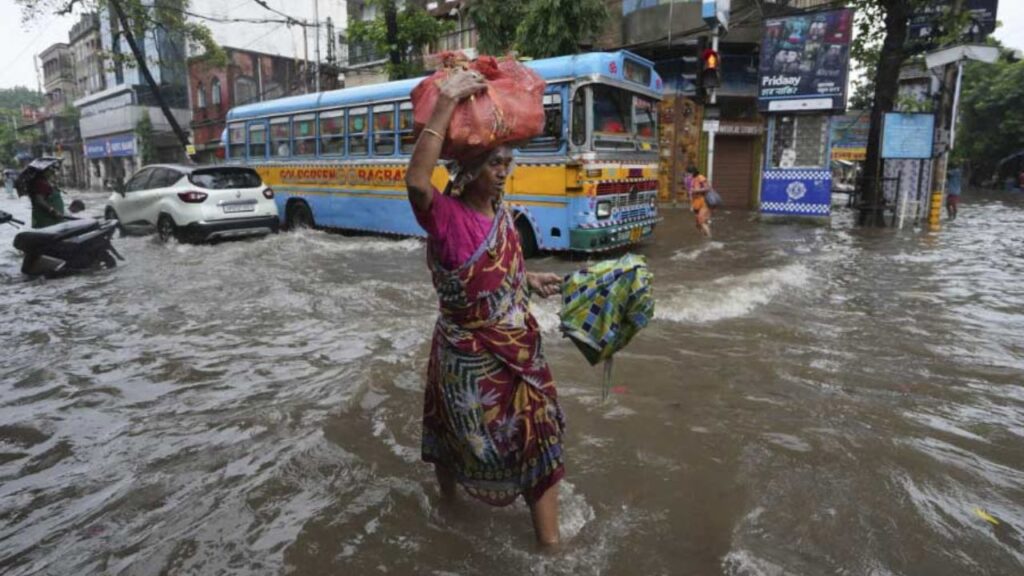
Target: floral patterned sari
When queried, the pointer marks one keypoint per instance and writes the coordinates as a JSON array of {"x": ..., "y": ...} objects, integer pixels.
[{"x": 491, "y": 413}]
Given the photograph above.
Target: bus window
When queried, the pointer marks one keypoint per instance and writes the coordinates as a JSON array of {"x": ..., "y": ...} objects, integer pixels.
[
  {"x": 258, "y": 141},
  {"x": 612, "y": 114},
  {"x": 304, "y": 135},
  {"x": 384, "y": 130},
  {"x": 551, "y": 138},
  {"x": 645, "y": 117},
  {"x": 579, "y": 117},
  {"x": 405, "y": 126},
  {"x": 279, "y": 136},
  {"x": 613, "y": 118},
  {"x": 332, "y": 136},
  {"x": 357, "y": 132},
  {"x": 236, "y": 140}
]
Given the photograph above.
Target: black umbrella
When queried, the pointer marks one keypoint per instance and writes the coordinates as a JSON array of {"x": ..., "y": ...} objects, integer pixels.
[{"x": 35, "y": 168}]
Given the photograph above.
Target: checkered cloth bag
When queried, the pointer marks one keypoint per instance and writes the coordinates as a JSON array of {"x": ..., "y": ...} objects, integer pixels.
[{"x": 605, "y": 305}]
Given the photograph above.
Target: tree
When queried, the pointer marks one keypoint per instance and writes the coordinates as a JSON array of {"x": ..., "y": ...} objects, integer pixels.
[
  {"x": 410, "y": 30},
  {"x": 882, "y": 51},
  {"x": 497, "y": 23},
  {"x": 992, "y": 120},
  {"x": 134, "y": 18},
  {"x": 557, "y": 27}
]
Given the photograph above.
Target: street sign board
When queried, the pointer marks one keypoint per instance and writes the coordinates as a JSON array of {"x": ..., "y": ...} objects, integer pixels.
[
  {"x": 926, "y": 23},
  {"x": 716, "y": 12},
  {"x": 908, "y": 136},
  {"x": 805, "y": 61},
  {"x": 850, "y": 136}
]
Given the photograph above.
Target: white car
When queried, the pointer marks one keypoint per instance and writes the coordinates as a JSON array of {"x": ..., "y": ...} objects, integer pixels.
[{"x": 194, "y": 203}]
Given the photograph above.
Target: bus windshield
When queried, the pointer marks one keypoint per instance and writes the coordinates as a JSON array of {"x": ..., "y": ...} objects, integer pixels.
[{"x": 622, "y": 119}]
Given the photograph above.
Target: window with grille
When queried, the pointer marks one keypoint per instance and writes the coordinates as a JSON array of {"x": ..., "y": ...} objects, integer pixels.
[{"x": 800, "y": 141}]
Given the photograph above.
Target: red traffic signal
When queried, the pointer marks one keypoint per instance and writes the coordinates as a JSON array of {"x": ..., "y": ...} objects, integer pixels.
[
  {"x": 709, "y": 74},
  {"x": 710, "y": 58}
]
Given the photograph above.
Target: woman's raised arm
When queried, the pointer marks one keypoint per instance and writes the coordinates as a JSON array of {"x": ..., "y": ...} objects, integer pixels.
[{"x": 428, "y": 147}]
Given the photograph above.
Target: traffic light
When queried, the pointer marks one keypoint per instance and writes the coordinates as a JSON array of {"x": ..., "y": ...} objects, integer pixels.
[{"x": 709, "y": 75}]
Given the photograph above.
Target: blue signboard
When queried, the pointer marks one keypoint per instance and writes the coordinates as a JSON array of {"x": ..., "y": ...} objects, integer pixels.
[
  {"x": 805, "y": 61},
  {"x": 110, "y": 146},
  {"x": 908, "y": 136},
  {"x": 796, "y": 192},
  {"x": 716, "y": 12},
  {"x": 926, "y": 23}
]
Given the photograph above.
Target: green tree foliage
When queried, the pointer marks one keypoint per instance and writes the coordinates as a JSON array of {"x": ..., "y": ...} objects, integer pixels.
[
  {"x": 416, "y": 28},
  {"x": 557, "y": 27},
  {"x": 992, "y": 118},
  {"x": 147, "y": 147},
  {"x": 11, "y": 101},
  {"x": 497, "y": 23}
]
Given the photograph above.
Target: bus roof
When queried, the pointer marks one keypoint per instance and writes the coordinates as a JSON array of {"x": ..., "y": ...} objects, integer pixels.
[{"x": 604, "y": 65}]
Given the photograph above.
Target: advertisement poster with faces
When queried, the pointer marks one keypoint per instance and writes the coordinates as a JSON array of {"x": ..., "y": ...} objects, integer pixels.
[{"x": 806, "y": 57}]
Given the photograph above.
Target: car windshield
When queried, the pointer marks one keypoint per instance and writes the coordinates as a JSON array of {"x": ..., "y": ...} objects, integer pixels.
[{"x": 223, "y": 178}]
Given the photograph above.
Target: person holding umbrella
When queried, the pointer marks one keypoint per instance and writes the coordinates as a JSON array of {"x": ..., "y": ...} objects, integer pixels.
[{"x": 47, "y": 203}]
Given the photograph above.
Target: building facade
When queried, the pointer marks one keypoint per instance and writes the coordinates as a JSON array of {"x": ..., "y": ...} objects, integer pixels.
[
  {"x": 87, "y": 55},
  {"x": 58, "y": 125},
  {"x": 248, "y": 77},
  {"x": 110, "y": 119}
]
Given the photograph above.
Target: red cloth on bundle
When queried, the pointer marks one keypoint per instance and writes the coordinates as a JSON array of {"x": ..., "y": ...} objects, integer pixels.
[{"x": 511, "y": 109}]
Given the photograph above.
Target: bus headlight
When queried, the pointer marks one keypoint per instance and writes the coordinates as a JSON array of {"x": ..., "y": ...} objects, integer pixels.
[{"x": 604, "y": 209}]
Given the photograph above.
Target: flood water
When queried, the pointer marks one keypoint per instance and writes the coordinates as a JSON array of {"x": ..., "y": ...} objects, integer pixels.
[{"x": 809, "y": 400}]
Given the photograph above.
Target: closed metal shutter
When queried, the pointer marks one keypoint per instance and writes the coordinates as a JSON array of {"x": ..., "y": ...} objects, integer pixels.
[{"x": 734, "y": 170}]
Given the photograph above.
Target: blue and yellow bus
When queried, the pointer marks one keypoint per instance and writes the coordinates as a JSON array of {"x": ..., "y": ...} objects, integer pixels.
[{"x": 588, "y": 183}]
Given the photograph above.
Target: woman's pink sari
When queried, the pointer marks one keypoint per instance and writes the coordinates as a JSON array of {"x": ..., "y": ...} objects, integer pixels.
[{"x": 491, "y": 413}]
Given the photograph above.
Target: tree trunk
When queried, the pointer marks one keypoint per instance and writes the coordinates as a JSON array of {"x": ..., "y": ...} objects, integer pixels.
[
  {"x": 887, "y": 77},
  {"x": 144, "y": 68},
  {"x": 391, "y": 25}
]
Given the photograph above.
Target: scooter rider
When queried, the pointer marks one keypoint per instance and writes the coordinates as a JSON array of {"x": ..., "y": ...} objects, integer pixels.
[{"x": 47, "y": 203}]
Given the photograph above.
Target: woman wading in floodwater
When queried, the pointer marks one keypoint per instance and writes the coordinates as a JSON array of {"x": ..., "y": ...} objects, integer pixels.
[{"x": 491, "y": 420}]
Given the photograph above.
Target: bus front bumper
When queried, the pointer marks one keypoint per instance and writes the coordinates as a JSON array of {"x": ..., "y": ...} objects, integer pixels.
[{"x": 612, "y": 237}]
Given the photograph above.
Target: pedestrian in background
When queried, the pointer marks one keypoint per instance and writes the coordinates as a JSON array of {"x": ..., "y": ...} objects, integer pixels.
[
  {"x": 698, "y": 190},
  {"x": 47, "y": 203},
  {"x": 9, "y": 176},
  {"x": 954, "y": 184}
]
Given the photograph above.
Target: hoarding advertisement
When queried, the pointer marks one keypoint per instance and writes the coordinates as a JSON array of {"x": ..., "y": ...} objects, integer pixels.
[{"x": 805, "y": 60}]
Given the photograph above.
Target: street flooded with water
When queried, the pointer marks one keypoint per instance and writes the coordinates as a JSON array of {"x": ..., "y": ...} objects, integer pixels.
[{"x": 809, "y": 400}]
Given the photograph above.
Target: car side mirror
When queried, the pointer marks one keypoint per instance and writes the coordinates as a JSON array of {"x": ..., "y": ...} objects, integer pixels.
[{"x": 120, "y": 188}]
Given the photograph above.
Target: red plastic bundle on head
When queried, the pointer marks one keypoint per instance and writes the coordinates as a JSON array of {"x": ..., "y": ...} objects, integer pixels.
[{"x": 511, "y": 109}]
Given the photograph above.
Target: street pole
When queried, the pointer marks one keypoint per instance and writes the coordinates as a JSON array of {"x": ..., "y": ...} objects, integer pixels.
[
  {"x": 305, "y": 58},
  {"x": 316, "y": 16},
  {"x": 943, "y": 137},
  {"x": 712, "y": 100}
]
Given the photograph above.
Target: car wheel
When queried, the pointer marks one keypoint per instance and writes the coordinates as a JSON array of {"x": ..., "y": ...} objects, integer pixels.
[
  {"x": 110, "y": 214},
  {"x": 300, "y": 216},
  {"x": 527, "y": 240},
  {"x": 165, "y": 228}
]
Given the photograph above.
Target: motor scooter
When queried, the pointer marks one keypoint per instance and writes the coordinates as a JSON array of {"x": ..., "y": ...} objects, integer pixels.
[{"x": 76, "y": 245}]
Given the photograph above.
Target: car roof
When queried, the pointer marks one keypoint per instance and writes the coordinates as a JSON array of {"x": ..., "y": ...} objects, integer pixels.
[{"x": 184, "y": 169}]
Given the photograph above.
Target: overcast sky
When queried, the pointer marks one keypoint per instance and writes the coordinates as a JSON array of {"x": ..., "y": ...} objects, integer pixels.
[{"x": 26, "y": 40}]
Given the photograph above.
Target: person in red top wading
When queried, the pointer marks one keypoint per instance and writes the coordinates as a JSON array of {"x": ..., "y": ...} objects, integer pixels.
[{"x": 491, "y": 419}]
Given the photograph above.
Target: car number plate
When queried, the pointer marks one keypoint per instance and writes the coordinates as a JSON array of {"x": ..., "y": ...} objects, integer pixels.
[
  {"x": 232, "y": 208},
  {"x": 634, "y": 234}
]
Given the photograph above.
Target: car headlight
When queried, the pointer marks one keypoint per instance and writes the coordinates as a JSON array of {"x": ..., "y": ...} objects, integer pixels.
[{"x": 604, "y": 209}]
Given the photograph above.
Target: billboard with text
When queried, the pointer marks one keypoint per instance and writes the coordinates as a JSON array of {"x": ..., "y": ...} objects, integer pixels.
[{"x": 805, "y": 61}]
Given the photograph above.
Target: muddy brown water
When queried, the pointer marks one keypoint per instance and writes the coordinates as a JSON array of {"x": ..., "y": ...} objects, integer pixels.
[{"x": 809, "y": 400}]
